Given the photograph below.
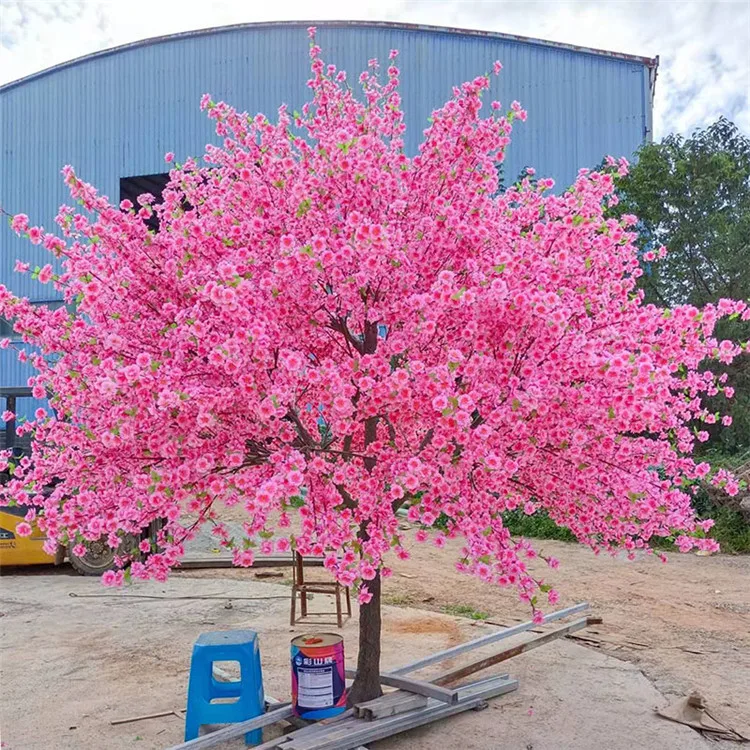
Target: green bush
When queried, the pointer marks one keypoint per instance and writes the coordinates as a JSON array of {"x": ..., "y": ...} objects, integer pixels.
[
  {"x": 539, "y": 526},
  {"x": 730, "y": 531}
]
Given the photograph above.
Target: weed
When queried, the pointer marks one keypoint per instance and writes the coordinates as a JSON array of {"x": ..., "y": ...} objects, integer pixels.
[
  {"x": 398, "y": 600},
  {"x": 463, "y": 610}
]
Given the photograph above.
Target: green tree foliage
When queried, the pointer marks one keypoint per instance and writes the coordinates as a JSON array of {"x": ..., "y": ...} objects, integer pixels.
[{"x": 693, "y": 195}]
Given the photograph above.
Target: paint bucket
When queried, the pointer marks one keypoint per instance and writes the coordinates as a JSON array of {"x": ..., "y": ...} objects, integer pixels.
[{"x": 318, "y": 676}]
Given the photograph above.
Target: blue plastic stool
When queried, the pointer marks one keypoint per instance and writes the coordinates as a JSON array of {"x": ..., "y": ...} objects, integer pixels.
[{"x": 229, "y": 645}]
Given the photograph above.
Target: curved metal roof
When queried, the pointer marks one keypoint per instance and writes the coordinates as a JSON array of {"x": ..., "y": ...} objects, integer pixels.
[{"x": 647, "y": 61}]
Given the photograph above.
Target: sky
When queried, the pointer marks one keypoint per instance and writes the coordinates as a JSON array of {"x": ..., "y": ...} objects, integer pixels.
[{"x": 704, "y": 47}]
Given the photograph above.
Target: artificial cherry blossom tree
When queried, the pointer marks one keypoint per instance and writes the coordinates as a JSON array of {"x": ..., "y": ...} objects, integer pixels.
[{"x": 324, "y": 325}]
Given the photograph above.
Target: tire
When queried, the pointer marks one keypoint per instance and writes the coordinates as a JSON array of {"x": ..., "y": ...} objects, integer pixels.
[{"x": 99, "y": 557}]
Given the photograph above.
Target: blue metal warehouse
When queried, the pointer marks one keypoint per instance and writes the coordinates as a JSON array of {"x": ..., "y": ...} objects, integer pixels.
[{"x": 114, "y": 114}]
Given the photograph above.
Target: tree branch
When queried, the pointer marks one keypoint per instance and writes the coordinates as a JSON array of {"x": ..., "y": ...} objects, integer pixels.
[
  {"x": 306, "y": 438},
  {"x": 346, "y": 497}
]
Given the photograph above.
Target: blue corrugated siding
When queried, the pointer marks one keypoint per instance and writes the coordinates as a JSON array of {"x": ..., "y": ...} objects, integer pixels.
[{"x": 115, "y": 116}]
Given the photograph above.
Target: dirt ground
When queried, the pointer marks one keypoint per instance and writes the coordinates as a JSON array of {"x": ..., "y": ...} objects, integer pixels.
[
  {"x": 75, "y": 657},
  {"x": 685, "y": 624}
]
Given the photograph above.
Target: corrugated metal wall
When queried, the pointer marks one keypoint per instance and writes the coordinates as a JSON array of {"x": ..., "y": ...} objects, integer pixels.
[{"x": 115, "y": 115}]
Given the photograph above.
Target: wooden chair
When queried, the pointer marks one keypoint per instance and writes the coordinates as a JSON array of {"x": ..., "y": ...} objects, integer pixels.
[{"x": 303, "y": 588}]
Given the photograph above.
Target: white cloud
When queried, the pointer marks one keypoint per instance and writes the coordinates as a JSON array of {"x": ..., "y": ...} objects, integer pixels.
[{"x": 704, "y": 47}]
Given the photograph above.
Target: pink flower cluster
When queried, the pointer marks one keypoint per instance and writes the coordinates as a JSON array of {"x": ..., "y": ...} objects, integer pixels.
[{"x": 327, "y": 326}]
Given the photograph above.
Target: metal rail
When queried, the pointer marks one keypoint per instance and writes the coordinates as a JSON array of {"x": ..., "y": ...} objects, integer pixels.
[
  {"x": 485, "y": 640},
  {"x": 348, "y": 736},
  {"x": 275, "y": 713}
]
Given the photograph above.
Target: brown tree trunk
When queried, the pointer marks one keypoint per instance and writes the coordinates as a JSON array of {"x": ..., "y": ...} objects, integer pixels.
[{"x": 367, "y": 683}]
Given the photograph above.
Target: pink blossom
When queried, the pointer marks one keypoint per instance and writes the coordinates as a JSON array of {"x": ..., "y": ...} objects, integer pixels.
[
  {"x": 365, "y": 596},
  {"x": 23, "y": 529},
  {"x": 440, "y": 402},
  {"x": 243, "y": 558},
  {"x": 169, "y": 157},
  {"x": 113, "y": 578},
  {"x": 19, "y": 223}
]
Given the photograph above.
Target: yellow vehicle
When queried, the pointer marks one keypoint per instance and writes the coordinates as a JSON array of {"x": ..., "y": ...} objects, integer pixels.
[
  {"x": 28, "y": 550},
  {"x": 20, "y": 550}
]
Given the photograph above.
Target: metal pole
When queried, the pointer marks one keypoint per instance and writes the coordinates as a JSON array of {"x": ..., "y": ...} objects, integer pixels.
[
  {"x": 485, "y": 640},
  {"x": 10, "y": 425},
  {"x": 510, "y": 651},
  {"x": 275, "y": 713},
  {"x": 471, "y": 696}
]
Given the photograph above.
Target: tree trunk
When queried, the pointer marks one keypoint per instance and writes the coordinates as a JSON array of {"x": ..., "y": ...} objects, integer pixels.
[{"x": 367, "y": 683}]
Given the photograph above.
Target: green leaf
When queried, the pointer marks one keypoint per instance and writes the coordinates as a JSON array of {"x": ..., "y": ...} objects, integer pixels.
[
  {"x": 460, "y": 293},
  {"x": 303, "y": 207},
  {"x": 296, "y": 501}
]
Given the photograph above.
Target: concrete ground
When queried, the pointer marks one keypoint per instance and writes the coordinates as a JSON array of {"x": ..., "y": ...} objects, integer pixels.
[{"x": 75, "y": 656}]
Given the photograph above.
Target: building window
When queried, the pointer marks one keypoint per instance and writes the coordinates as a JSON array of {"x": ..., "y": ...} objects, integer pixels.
[{"x": 132, "y": 187}]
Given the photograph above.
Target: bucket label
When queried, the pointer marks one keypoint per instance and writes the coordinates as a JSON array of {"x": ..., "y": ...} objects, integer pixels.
[{"x": 315, "y": 687}]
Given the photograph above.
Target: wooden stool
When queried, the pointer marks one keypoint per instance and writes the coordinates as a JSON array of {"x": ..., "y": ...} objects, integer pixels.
[{"x": 315, "y": 587}]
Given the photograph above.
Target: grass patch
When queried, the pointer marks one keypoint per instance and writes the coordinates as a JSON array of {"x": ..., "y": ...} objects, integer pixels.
[
  {"x": 463, "y": 610},
  {"x": 398, "y": 600}
]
